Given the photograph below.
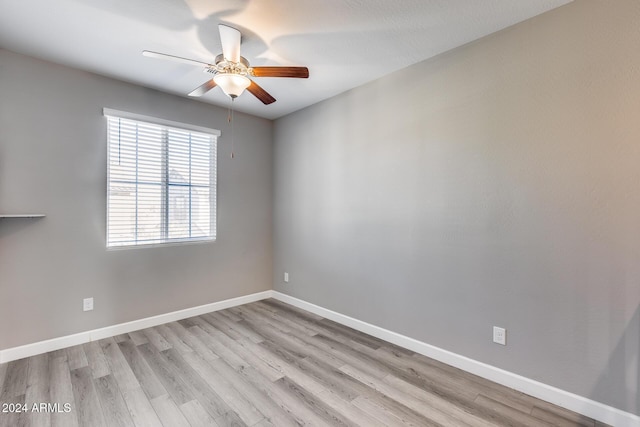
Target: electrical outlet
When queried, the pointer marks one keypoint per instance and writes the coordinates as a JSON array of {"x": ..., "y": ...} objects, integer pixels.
[
  {"x": 87, "y": 304},
  {"x": 286, "y": 277},
  {"x": 499, "y": 335}
]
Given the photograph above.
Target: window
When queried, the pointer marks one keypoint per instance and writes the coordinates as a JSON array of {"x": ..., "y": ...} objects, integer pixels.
[{"x": 161, "y": 185}]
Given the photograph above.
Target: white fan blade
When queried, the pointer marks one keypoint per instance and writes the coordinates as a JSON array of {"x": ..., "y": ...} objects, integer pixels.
[
  {"x": 204, "y": 88},
  {"x": 157, "y": 55},
  {"x": 230, "y": 39}
]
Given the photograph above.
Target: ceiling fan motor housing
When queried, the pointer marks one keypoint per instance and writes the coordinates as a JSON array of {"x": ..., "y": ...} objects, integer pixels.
[{"x": 223, "y": 66}]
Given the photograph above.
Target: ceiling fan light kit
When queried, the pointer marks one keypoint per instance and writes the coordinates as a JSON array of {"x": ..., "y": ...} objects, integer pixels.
[
  {"x": 232, "y": 71},
  {"x": 232, "y": 84}
]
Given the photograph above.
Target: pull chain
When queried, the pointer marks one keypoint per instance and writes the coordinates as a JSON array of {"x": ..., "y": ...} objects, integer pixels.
[{"x": 230, "y": 121}]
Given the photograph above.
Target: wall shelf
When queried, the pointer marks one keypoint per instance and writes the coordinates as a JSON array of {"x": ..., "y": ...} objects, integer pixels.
[{"x": 22, "y": 216}]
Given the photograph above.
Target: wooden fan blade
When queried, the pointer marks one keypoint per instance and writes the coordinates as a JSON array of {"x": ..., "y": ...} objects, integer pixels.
[
  {"x": 260, "y": 93},
  {"x": 297, "y": 72},
  {"x": 173, "y": 58},
  {"x": 230, "y": 39},
  {"x": 204, "y": 88}
]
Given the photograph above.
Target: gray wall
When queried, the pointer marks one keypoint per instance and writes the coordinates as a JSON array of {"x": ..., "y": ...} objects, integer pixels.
[
  {"x": 53, "y": 160},
  {"x": 497, "y": 184}
]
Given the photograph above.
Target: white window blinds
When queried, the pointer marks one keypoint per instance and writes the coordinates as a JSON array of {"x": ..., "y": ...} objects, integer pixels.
[{"x": 161, "y": 182}]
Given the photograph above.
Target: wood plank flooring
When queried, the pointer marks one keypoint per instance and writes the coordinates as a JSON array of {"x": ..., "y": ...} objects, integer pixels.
[{"x": 261, "y": 364}]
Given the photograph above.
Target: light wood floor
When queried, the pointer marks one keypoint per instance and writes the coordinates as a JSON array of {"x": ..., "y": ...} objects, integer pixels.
[{"x": 261, "y": 364}]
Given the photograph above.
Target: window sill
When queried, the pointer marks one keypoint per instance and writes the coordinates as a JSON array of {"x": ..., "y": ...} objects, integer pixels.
[{"x": 160, "y": 245}]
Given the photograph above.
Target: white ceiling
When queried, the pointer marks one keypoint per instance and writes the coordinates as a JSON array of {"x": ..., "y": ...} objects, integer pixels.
[{"x": 345, "y": 43}]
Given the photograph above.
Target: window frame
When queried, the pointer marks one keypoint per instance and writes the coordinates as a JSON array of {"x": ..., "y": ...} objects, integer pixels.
[{"x": 165, "y": 184}]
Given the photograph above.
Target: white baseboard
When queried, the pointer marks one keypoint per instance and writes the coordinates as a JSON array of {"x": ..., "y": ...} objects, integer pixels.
[
  {"x": 40, "y": 347},
  {"x": 590, "y": 408}
]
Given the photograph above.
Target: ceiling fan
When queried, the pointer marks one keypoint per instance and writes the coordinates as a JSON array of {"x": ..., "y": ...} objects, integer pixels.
[{"x": 231, "y": 71}]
